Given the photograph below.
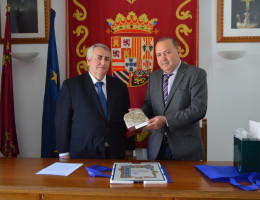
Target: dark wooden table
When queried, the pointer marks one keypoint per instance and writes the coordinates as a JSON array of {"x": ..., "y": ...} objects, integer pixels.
[{"x": 18, "y": 181}]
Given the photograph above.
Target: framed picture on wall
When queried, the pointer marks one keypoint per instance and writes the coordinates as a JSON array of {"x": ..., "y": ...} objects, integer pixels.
[
  {"x": 30, "y": 20},
  {"x": 238, "y": 21}
]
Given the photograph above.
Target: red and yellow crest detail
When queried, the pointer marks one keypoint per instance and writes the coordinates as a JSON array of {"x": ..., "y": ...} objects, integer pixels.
[
  {"x": 132, "y": 59},
  {"x": 131, "y": 1},
  {"x": 132, "y": 24}
]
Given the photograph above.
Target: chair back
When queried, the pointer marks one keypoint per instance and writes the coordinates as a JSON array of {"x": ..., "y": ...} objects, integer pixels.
[{"x": 204, "y": 136}]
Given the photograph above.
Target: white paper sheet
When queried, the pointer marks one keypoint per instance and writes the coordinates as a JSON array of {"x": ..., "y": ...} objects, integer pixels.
[
  {"x": 60, "y": 169},
  {"x": 254, "y": 129}
]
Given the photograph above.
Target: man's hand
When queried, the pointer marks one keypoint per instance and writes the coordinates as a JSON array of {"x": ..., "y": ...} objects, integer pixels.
[
  {"x": 131, "y": 109},
  {"x": 155, "y": 123}
]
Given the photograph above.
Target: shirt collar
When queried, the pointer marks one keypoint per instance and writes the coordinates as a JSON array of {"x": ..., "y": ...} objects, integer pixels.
[{"x": 94, "y": 80}]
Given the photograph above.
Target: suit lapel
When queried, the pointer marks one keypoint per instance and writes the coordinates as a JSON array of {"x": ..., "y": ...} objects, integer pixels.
[
  {"x": 91, "y": 90},
  {"x": 179, "y": 76},
  {"x": 160, "y": 80},
  {"x": 110, "y": 96}
]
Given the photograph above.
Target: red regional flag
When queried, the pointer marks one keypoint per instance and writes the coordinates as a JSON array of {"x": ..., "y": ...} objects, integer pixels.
[{"x": 8, "y": 140}]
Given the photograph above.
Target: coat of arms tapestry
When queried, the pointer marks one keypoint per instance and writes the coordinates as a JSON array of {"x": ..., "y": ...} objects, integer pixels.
[{"x": 130, "y": 28}]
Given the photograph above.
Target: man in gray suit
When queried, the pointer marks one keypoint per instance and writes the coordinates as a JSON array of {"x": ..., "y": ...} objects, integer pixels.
[{"x": 175, "y": 105}]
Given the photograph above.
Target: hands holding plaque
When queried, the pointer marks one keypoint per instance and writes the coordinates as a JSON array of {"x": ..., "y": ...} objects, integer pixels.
[{"x": 135, "y": 120}]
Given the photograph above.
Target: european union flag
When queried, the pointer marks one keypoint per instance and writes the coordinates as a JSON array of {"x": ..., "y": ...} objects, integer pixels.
[{"x": 52, "y": 89}]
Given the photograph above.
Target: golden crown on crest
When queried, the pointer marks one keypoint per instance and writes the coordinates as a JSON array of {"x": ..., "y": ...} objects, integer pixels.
[{"x": 132, "y": 24}]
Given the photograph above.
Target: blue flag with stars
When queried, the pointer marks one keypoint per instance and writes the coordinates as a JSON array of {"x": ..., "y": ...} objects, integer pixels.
[{"x": 52, "y": 89}]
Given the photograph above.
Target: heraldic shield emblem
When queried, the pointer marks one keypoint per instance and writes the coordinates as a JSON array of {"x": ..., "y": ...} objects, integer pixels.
[{"x": 132, "y": 59}]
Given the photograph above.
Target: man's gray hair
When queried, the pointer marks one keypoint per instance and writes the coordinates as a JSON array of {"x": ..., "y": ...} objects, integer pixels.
[
  {"x": 90, "y": 50},
  {"x": 174, "y": 42}
]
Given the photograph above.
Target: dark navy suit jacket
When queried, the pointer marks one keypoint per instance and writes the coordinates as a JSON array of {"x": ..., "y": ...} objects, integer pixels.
[{"x": 81, "y": 126}]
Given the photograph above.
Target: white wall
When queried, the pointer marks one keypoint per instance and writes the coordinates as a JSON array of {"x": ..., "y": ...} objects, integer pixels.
[{"x": 232, "y": 84}]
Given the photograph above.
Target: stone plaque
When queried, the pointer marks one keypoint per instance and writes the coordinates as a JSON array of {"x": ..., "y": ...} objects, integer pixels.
[{"x": 135, "y": 120}]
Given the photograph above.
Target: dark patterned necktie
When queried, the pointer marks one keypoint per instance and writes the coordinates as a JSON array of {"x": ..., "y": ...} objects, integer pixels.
[
  {"x": 165, "y": 87},
  {"x": 102, "y": 97}
]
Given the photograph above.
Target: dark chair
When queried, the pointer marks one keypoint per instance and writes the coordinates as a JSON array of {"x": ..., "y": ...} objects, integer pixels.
[{"x": 204, "y": 136}]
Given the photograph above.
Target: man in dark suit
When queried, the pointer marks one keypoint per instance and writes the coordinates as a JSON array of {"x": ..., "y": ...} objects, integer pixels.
[
  {"x": 83, "y": 128},
  {"x": 175, "y": 102}
]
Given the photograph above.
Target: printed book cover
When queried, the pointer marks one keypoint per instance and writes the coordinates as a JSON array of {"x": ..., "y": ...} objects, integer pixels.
[{"x": 129, "y": 173}]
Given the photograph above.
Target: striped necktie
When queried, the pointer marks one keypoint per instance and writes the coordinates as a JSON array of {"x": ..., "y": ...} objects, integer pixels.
[{"x": 165, "y": 87}]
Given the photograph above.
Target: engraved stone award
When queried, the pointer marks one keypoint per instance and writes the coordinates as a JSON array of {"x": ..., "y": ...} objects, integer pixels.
[{"x": 135, "y": 120}]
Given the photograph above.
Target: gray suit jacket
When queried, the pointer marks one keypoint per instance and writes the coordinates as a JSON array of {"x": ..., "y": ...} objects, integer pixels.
[{"x": 186, "y": 105}]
